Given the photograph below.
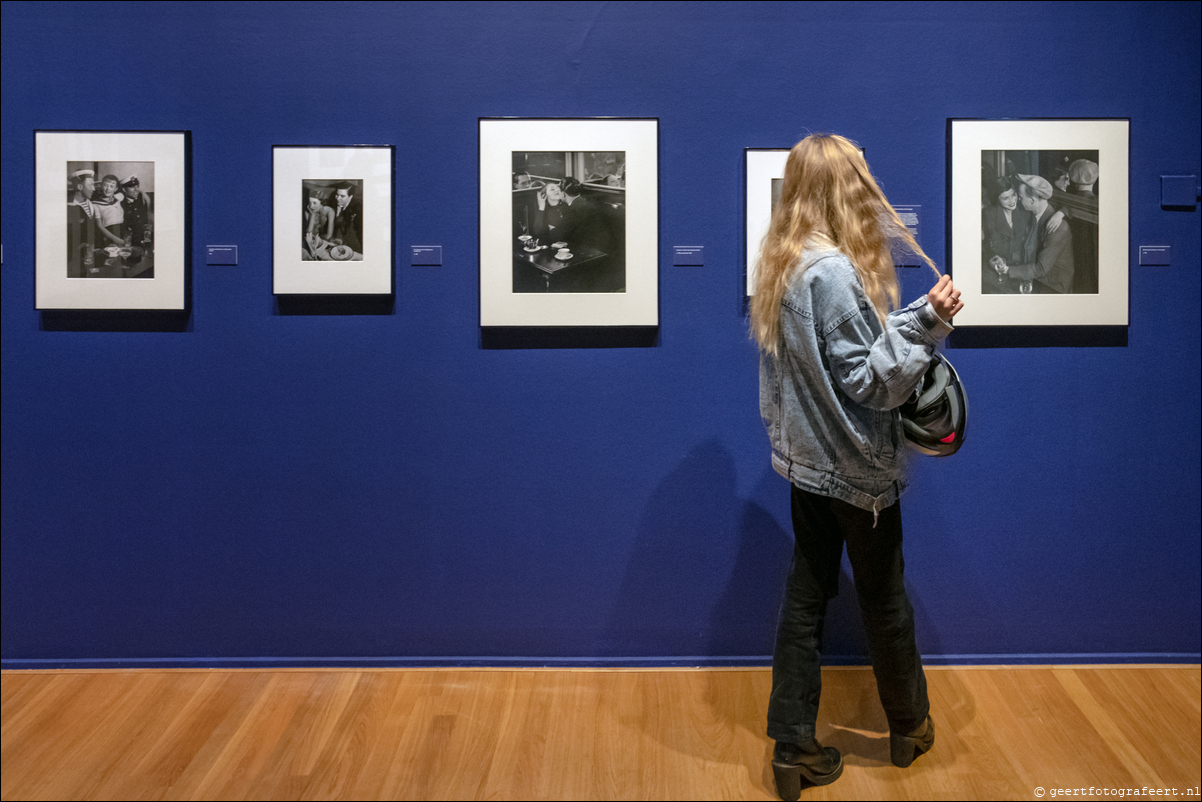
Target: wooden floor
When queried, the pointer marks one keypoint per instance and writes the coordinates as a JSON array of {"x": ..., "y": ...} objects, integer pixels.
[{"x": 578, "y": 734}]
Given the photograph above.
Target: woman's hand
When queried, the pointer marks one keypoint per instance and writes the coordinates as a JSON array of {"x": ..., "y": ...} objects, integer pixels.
[{"x": 945, "y": 298}]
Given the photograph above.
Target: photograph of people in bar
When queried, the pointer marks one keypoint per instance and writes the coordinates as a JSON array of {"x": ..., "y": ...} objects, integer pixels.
[
  {"x": 110, "y": 219},
  {"x": 569, "y": 221},
  {"x": 332, "y": 221},
  {"x": 1039, "y": 222}
]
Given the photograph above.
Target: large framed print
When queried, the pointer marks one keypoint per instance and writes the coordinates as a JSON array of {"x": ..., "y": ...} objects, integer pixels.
[
  {"x": 569, "y": 222},
  {"x": 1039, "y": 222},
  {"x": 763, "y": 175},
  {"x": 111, "y": 219},
  {"x": 332, "y": 219}
]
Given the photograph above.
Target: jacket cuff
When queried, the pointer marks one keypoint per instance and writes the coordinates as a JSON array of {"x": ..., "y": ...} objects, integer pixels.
[{"x": 935, "y": 327}]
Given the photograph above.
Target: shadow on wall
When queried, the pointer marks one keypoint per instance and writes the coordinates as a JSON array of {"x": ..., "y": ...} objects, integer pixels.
[
  {"x": 701, "y": 548},
  {"x": 702, "y": 554},
  {"x": 743, "y": 622}
]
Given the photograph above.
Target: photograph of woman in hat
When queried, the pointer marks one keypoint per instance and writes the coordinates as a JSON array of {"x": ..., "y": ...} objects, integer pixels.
[{"x": 837, "y": 359}]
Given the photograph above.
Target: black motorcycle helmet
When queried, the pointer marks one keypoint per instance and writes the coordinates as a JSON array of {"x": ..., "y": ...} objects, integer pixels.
[{"x": 935, "y": 419}]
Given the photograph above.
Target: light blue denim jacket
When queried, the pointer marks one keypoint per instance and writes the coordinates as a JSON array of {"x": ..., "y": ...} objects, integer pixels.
[{"x": 829, "y": 399}]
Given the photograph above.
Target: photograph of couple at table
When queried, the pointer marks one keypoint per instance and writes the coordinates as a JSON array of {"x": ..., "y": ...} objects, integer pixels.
[
  {"x": 110, "y": 219},
  {"x": 332, "y": 224},
  {"x": 1039, "y": 222},
  {"x": 569, "y": 221}
]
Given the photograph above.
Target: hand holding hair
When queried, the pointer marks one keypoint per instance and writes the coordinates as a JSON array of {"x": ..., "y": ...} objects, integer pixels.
[{"x": 945, "y": 298}]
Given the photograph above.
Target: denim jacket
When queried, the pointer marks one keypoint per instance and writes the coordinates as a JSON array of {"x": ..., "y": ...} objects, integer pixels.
[{"x": 829, "y": 398}]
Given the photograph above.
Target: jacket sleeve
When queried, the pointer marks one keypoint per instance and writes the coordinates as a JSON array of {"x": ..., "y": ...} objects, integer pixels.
[
  {"x": 538, "y": 226},
  {"x": 875, "y": 371},
  {"x": 1053, "y": 245}
]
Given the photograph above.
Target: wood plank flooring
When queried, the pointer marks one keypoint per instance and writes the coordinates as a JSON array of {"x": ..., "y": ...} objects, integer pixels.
[{"x": 578, "y": 733}]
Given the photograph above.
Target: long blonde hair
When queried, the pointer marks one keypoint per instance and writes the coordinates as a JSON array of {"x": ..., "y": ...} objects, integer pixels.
[{"x": 828, "y": 192}]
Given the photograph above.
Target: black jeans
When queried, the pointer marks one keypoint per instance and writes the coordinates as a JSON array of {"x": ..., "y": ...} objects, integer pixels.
[{"x": 821, "y": 525}]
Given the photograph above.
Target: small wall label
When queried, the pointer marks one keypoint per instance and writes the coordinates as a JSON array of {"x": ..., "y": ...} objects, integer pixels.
[
  {"x": 688, "y": 255},
  {"x": 1155, "y": 255},
  {"x": 909, "y": 216},
  {"x": 425, "y": 255},
  {"x": 222, "y": 254}
]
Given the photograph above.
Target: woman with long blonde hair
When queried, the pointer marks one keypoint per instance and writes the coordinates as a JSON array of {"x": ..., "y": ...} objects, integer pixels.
[{"x": 837, "y": 358}]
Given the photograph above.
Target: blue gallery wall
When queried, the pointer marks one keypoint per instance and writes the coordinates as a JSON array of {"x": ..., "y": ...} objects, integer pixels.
[{"x": 324, "y": 488}]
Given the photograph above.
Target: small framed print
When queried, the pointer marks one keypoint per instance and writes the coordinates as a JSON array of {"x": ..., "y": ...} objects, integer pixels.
[
  {"x": 1039, "y": 222},
  {"x": 569, "y": 232},
  {"x": 110, "y": 220},
  {"x": 332, "y": 220},
  {"x": 763, "y": 175}
]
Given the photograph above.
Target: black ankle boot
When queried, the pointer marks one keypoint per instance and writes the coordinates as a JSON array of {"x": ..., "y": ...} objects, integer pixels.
[
  {"x": 819, "y": 765},
  {"x": 904, "y": 748}
]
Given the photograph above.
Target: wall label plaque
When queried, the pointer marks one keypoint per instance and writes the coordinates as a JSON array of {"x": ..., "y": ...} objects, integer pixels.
[
  {"x": 221, "y": 255},
  {"x": 1155, "y": 255},
  {"x": 909, "y": 215},
  {"x": 425, "y": 255},
  {"x": 688, "y": 255}
]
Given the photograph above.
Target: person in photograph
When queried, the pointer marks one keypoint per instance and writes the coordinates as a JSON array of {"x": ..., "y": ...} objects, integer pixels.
[
  {"x": 1060, "y": 179},
  {"x": 548, "y": 217},
  {"x": 607, "y": 168},
  {"x": 319, "y": 224},
  {"x": 81, "y": 224},
  {"x": 1004, "y": 224},
  {"x": 1082, "y": 175},
  {"x": 106, "y": 201},
  {"x": 135, "y": 207},
  {"x": 835, "y": 365},
  {"x": 348, "y": 217},
  {"x": 1048, "y": 254},
  {"x": 1005, "y": 229},
  {"x": 564, "y": 214}
]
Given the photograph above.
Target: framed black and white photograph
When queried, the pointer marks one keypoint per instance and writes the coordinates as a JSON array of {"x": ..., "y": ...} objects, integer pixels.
[
  {"x": 1039, "y": 221},
  {"x": 763, "y": 175},
  {"x": 332, "y": 219},
  {"x": 110, "y": 224},
  {"x": 763, "y": 178},
  {"x": 569, "y": 222}
]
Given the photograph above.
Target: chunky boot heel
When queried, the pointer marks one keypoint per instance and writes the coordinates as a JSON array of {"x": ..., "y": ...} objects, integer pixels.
[
  {"x": 788, "y": 781},
  {"x": 904, "y": 748},
  {"x": 816, "y": 764}
]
